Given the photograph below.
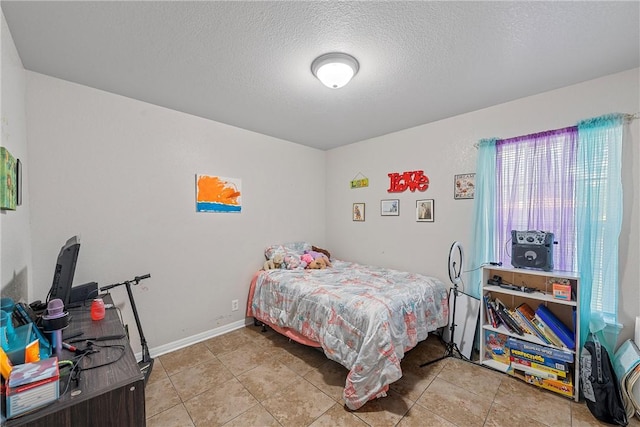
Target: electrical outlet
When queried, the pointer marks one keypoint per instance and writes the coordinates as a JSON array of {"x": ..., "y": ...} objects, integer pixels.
[{"x": 234, "y": 305}]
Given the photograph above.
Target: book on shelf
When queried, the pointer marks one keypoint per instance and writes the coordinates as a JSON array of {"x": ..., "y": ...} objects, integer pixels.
[
  {"x": 517, "y": 316},
  {"x": 563, "y": 386},
  {"x": 539, "y": 353},
  {"x": 559, "y": 370},
  {"x": 560, "y": 329},
  {"x": 503, "y": 313},
  {"x": 489, "y": 314},
  {"x": 529, "y": 315},
  {"x": 549, "y": 334}
]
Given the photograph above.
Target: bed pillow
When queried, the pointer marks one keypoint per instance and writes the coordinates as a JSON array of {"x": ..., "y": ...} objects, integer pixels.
[{"x": 294, "y": 248}]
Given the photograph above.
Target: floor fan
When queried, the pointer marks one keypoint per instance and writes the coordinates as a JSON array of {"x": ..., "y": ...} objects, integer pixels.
[{"x": 455, "y": 269}]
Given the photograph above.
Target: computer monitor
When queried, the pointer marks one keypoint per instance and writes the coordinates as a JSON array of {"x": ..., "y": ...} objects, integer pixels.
[{"x": 65, "y": 269}]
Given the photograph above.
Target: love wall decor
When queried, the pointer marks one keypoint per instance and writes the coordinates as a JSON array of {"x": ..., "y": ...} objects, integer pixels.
[{"x": 412, "y": 180}]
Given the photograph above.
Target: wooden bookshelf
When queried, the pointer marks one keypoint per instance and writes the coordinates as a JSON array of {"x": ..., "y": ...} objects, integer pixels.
[{"x": 566, "y": 311}]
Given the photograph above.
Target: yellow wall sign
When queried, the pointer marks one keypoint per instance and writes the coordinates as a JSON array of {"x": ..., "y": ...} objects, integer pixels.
[{"x": 359, "y": 183}]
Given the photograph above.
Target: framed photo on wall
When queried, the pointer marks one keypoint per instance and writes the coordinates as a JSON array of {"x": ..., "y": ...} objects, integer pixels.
[
  {"x": 390, "y": 207},
  {"x": 464, "y": 186},
  {"x": 424, "y": 210},
  {"x": 358, "y": 212}
]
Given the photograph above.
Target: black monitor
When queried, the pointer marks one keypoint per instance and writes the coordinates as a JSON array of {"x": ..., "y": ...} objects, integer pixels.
[{"x": 65, "y": 269}]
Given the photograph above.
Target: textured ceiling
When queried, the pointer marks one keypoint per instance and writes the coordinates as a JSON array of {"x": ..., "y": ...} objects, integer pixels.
[{"x": 247, "y": 64}]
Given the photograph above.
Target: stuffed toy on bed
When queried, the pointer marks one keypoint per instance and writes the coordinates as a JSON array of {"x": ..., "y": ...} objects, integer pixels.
[
  {"x": 310, "y": 256},
  {"x": 273, "y": 263},
  {"x": 322, "y": 251},
  {"x": 318, "y": 263}
]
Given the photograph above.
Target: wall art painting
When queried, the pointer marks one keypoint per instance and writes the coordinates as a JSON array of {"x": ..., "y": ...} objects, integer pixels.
[
  {"x": 424, "y": 210},
  {"x": 390, "y": 207},
  {"x": 464, "y": 186},
  {"x": 358, "y": 212},
  {"x": 218, "y": 194},
  {"x": 8, "y": 180}
]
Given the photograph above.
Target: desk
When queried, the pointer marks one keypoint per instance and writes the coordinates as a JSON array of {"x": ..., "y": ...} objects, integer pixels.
[{"x": 111, "y": 395}]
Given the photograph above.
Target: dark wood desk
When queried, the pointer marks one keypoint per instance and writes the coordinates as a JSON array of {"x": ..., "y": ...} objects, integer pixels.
[{"x": 111, "y": 395}]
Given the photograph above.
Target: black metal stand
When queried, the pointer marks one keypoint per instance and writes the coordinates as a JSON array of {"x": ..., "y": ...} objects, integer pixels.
[
  {"x": 146, "y": 364},
  {"x": 451, "y": 349}
]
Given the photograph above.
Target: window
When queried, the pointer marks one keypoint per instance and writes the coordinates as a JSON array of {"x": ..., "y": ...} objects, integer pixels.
[
  {"x": 537, "y": 177},
  {"x": 536, "y": 191}
]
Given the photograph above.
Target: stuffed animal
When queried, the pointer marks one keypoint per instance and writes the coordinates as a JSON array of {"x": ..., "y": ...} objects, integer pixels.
[
  {"x": 307, "y": 258},
  {"x": 322, "y": 251},
  {"x": 315, "y": 255},
  {"x": 274, "y": 263},
  {"x": 318, "y": 263}
]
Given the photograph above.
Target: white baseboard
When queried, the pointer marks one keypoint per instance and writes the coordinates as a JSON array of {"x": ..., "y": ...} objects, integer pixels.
[{"x": 194, "y": 339}]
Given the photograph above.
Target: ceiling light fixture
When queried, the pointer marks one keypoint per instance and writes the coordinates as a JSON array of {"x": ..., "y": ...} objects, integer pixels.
[{"x": 335, "y": 69}]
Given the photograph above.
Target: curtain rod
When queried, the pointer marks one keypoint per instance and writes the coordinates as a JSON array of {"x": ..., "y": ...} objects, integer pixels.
[{"x": 628, "y": 117}]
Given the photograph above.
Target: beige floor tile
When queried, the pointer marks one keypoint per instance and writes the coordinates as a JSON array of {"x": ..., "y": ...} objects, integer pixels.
[
  {"x": 337, "y": 415},
  {"x": 268, "y": 378},
  {"x": 425, "y": 351},
  {"x": 255, "y": 416},
  {"x": 528, "y": 399},
  {"x": 455, "y": 404},
  {"x": 220, "y": 404},
  {"x": 418, "y": 416},
  {"x": 228, "y": 342},
  {"x": 160, "y": 396},
  {"x": 244, "y": 358},
  {"x": 384, "y": 411},
  {"x": 299, "y": 358},
  {"x": 266, "y": 366},
  {"x": 471, "y": 377},
  {"x": 173, "y": 417},
  {"x": 330, "y": 378},
  {"x": 200, "y": 378},
  {"x": 412, "y": 384},
  {"x": 299, "y": 404},
  {"x": 157, "y": 372},
  {"x": 501, "y": 416},
  {"x": 581, "y": 416},
  {"x": 185, "y": 358}
]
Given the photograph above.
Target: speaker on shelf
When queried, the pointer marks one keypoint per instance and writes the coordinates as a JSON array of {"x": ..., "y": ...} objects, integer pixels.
[{"x": 532, "y": 249}]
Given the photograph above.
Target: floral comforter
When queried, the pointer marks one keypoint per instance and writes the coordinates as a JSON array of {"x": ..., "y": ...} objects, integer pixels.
[{"x": 364, "y": 317}]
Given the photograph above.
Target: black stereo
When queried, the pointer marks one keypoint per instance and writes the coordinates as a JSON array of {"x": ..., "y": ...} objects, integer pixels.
[{"x": 532, "y": 249}]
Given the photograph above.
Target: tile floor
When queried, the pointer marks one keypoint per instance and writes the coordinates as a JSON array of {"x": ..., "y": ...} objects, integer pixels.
[{"x": 249, "y": 378}]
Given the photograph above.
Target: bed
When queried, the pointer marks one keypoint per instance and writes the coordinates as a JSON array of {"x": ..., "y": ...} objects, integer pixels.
[{"x": 363, "y": 317}]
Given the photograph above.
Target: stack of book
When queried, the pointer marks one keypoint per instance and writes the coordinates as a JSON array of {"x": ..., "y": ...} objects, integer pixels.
[
  {"x": 541, "y": 323},
  {"x": 542, "y": 366}
]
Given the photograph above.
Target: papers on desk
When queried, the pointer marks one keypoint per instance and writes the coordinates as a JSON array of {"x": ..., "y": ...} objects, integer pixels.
[{"x": 626, "y": 364}]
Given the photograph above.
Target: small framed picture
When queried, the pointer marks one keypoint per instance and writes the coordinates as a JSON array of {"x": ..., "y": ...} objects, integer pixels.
[
  {"x": 358, "y": 212},
  {"x": 390, "y": 207},
  {"x": 464, "y": 186},
  {"x": 424, "y": 210}
]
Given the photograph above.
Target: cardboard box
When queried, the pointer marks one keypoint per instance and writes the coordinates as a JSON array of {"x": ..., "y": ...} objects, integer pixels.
[
  {"x": 561, "y": 291},
  {"x": 495, "y": 347},
  {"x": 31, "y": 386}
]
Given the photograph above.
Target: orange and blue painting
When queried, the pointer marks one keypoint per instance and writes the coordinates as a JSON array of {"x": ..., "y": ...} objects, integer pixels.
[{"x": 218, "y": 194}]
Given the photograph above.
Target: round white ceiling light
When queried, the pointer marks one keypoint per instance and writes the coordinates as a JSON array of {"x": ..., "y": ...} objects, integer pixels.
[{"x": 335, "y": 69}]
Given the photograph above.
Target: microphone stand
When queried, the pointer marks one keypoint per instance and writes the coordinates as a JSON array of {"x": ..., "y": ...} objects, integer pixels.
[
  {"x": 451, "y": 348},
  {"x": 146, "y": 364}
]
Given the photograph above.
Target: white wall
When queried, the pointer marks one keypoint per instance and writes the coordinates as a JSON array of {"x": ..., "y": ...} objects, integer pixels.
[
  {"x": 15, "y": 248},
  {"x": 121, "y": 173},
  {"x": 445, "y": 148}
]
